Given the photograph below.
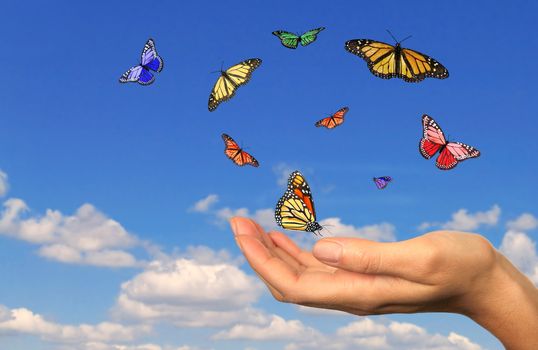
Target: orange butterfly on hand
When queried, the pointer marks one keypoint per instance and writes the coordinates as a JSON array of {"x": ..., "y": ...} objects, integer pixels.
[
  {"x": 334, "y": 120},
  {"x": 236, "y": 153},
  {"x": 295, "y": 209}
]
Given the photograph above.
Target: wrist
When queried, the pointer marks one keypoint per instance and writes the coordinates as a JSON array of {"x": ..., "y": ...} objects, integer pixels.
[{"x": 506, "y": 304}]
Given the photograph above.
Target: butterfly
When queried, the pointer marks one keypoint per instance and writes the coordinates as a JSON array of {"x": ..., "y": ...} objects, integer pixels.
[
  {"x": 236, "y": 153},
  {"x": 387, "y": 61},
  {"x": 382, "y": 181},
  {"x": 295, "y": 209},
  {"x": 149, "y": 61},
  {"x": 450, "y": 153},
  {"x": 230, "y": 80},
  {"x": 291, "y": 40},
  {"x": 334, "y": 120}
]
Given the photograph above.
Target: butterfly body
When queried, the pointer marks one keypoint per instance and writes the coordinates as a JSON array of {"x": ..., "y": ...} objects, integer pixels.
[
  {"x": 236, "y": 153},
  {"x": 382, "y": 181},
  {"x": 295, "y": 209},
  {"x": 450, "y": 153},
  {"x": 334, "y": 120},
  {"x": 387, "y": 61},
  {"x": 231, "y": 79},
  {"x": 149, "y": 61}
]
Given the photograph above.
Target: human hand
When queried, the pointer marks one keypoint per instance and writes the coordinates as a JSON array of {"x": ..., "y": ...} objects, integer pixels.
[{"x": 439, "y": 271}]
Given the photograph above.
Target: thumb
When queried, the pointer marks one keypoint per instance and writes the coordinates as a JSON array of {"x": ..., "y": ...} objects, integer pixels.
[{"x": 364, "y": 256}]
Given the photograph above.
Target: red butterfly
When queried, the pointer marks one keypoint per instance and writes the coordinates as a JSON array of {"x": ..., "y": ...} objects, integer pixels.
[
  {"x": 236, "y": 153},
  {"x": 450, "y": 153},
  {"x": 334, "y": 120}
]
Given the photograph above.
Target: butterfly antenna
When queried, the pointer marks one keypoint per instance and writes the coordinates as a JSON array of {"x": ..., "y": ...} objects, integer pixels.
[
  {"x": 218, "y": 71},
  {"x": 405, "y": 39},
  {"x": 393, "y": 37},
  {"x": 325, "y": 228}
]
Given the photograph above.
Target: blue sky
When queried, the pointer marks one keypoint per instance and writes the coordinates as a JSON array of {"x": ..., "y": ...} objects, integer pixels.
[{"x": 136, "y": 159}]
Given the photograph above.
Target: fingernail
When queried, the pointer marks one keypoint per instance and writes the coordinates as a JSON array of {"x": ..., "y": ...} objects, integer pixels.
[
  {"x": 238, "y": 242},
  {"x": 233, "y": 225},
  {"x": 328, "y": 251}
]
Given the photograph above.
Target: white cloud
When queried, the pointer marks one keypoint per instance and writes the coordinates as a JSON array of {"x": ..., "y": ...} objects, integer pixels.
[
  {"x": 367, "y": 333},
  {"x": 521, "y": 250},
  {"x": 276, "y": 328},
  {"x": 264, "y": 217},
  {"x": 462, "y": 342},
  {"x": 363, "y": 327},
  {"x": 283, "y": 171},
  {"x": 24, "y": 321},
  {"x": 205, "y": 204},
  {"x": 191, "y": 293},
  {"x": 224, "y": 214},
  {"x": 463, "y": 221},
  {"x": 4, "y": 185},
  {"x": 87, "y": 237},
  {"x": 524, "y": 222},
  {"x": 378, "y": 232}
]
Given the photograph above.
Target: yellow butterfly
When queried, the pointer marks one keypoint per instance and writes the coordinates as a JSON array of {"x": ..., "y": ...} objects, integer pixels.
[
  {"x": 387, "y": 61},
  {"x": 230, "y": 80},
  {"x": 295, "y": 209}
]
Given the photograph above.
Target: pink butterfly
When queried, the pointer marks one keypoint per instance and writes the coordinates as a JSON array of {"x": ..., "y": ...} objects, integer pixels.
[{"x": 450, "y": 153}]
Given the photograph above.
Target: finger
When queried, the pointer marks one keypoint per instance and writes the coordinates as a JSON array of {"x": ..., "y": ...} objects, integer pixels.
[
  {"x": 265, "y": 237},
  {"x": 271, "y": 268},
  {"x": 303, "y": 257},
  {"x": 245, "y": 226},
  {"x": 276, "y": 294},
  {"x": 288, "y": 259},
  {"x": 401, "y": 259},
  {"x": 371, "y": 293}
]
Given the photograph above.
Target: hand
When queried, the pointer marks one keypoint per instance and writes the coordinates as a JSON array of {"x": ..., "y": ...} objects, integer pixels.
[{"x": 439, "y": 271}]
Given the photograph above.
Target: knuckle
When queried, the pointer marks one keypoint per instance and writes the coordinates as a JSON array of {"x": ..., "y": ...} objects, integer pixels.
[{"x": 366, "y": 262}]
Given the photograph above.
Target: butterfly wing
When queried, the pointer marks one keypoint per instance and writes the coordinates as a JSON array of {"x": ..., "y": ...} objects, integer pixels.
[
  {"x": 383, "y": 61},
  {"x": 310, "y": 36},
  {"x": 415, "y": 66},
  {"x": 236, "y": 154},
  {"x": 453, "y": 153},
  {"x": 131, "y": 75},
  {"x": 230, "y": 80},
  {"x": 382, "y": 181},
  {"x": 334, "y": 120},
  {"x": 295, "y": 209},
  {"x": 432, "y": 138},
  {"x": 141, "y": 73},
  {"x": 287, "y": 39},
  {"x": 379, "y": 56},
  {"x": 149, "y": 58}
]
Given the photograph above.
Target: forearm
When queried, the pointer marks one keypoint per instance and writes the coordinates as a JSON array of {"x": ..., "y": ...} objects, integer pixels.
[{"x": 507, "y": 306}]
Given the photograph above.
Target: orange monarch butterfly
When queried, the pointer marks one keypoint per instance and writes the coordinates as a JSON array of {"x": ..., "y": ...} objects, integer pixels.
[
  {"x": 236, "y": 153},
  {"x": 387, "y": 61},
  {"x": 295, "y": 209},
  {"x": 334, "y": 120}
]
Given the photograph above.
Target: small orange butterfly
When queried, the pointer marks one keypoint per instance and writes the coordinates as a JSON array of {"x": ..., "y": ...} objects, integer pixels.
[
  {"x": 334, "y": 120},
  {"x": 236, "y": 153}
]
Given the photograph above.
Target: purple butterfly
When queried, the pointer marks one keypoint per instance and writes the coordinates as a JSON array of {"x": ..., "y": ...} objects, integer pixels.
[
  {"x": 149, "y": 61},
  {"x": 382, "y": 182}
]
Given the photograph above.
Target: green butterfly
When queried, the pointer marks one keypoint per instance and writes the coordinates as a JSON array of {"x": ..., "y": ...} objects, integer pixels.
[{"x": 291, "y": 40}]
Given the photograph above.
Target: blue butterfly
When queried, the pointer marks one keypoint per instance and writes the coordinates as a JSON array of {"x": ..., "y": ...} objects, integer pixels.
[
  {"x": 382, "y": 182},
  {"x": 149, "y": 61}
]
